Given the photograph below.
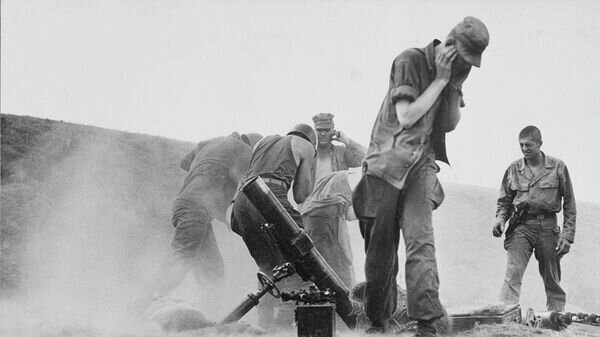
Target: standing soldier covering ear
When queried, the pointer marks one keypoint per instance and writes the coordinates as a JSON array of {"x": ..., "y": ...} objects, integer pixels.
[{"x": 330, "y": 157}]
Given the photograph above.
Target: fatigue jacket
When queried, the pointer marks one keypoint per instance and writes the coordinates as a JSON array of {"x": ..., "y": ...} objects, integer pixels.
[
  {"x": 542, "y": 193},
  {"x": 215, "y": 168},
  {"x": 394, "y": 149}
]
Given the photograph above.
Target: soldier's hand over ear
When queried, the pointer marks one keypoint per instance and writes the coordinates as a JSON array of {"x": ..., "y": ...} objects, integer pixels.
[
  {"x": 443, "y": 63},
  {"x": 341, "y": 137}
]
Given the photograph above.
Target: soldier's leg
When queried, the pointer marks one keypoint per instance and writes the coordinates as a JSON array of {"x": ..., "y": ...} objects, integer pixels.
[
  {"x": 179, "y": 262},
  {"x": 208, "y": 266},
  {"x": 422, "y": 194},
  {"x": 381, "y": 236},
  {"x": 519, "y": 247},
  {"x": 549, "y": 267},
  {"x": 285, "y": 310},
  {"x": 246, "y": 221}
]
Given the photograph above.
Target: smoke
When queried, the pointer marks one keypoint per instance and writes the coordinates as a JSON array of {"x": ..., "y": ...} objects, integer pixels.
[{"x": 98, "y": 227}]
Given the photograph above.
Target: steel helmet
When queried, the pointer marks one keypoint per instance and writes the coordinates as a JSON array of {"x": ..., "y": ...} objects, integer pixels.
[{"x": 305, "y": 131}]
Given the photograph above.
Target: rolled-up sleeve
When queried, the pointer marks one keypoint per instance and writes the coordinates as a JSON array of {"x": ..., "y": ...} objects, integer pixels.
[{"x": 404, "y": 81}]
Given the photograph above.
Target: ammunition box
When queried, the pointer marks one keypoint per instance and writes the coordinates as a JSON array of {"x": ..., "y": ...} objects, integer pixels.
[
  {"x": 464, "y": 319},
  {"x": 316, "y": 320}
]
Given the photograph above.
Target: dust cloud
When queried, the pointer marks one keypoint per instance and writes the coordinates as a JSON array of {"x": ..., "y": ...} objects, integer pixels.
[{"x": 98, "y": 228}]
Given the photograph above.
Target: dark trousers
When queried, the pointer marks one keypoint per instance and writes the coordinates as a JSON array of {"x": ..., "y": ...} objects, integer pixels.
[
  {"x": 541, "y": 237},
  {"x": 383, "y": 211},
  {"x": 194, "y": 248}
]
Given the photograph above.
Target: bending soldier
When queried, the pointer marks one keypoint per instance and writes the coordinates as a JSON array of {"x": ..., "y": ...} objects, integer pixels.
[
  {"x": 281, "y": 161},
  {"x": 215, "y": 168}
]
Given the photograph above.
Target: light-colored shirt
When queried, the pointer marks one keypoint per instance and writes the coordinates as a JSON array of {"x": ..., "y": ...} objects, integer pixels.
[{"x": 543, "y": 193}]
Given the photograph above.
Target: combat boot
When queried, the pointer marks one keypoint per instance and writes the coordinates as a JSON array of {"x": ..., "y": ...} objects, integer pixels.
[{"x": 426, "y": 328}]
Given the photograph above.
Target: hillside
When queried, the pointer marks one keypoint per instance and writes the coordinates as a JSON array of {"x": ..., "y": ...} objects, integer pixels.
[{"x": 85, "y": 221}]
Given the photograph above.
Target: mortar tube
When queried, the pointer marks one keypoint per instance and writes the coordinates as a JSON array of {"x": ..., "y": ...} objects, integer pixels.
[{"x": 297, "y": 246}]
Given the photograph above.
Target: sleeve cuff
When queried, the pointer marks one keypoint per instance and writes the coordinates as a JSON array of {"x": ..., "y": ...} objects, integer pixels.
[
  {"x": 568, "y": 237},
  {"x": 403, "y": 92}
]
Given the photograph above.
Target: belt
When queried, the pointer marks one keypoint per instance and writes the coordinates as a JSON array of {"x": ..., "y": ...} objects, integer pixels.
[
  {"x": 542, "y": 216},
  {"x": 275, "y": 182}
]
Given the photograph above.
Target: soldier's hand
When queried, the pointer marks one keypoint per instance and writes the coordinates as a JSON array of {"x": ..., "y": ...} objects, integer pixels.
[
  {"x": 562, "y": 247},
  {"x": 341, "y": 137},
  {"x": 498, "y": 228},
  {"x": 443, "y": 63}
]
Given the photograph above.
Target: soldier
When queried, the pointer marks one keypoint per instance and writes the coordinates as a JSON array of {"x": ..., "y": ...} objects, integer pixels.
[
  {"x": 535, "y": 185},
  {"x": 215, "y": 168},
  {"x": 330, "y": 157},
  {"x": 281, "y": 162},
  {"x": 399, "y": 188}
]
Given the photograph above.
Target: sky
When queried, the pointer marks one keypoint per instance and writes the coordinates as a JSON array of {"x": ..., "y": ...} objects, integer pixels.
[{"x": 191, "y": 70}]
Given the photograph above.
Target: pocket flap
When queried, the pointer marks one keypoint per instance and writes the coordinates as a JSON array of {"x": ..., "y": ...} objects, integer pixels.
[{"x": 550, "y": 182}]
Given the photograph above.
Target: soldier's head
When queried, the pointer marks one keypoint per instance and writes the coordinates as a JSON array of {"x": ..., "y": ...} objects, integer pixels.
[
  {"x": 324, "y": 127},
  {"x": 530, "y": 141},
  {"x": 306, "y": 132},
  {"x": 470, "y": 37}
]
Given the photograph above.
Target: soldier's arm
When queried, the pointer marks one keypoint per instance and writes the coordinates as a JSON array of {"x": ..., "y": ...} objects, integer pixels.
[
  {"x": 304, "y": 154},
  {"x": 410, "y": 106},
  {"x": 449, "y": 118},
  {"x": 354, "y": 153},
  {"x": 569, "y": 207},
  {"x": 504, "y": 206}
]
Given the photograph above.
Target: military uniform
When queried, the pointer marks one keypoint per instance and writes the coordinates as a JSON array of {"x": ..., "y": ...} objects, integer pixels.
[
  {"x": 215, "y": 168},
  {"x": 538, "y": 231},
  {"x": 272, "y": 160},
  {"x": 399, "y": 190}
]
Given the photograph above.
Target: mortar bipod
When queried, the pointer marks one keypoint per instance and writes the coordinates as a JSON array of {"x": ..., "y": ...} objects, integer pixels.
[{"x": 267, "y": 285}]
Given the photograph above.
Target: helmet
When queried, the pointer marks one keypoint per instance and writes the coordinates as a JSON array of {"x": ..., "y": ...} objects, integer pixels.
[
  {"x": 305, "y": 131},
  {"x": 251, "y": 138}
]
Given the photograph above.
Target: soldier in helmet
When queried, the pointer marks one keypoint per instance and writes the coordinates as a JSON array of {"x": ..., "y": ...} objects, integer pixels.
[{"x": 282, "y": 162}]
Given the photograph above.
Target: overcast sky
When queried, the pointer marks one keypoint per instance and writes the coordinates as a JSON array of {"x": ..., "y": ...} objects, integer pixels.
[{"x": 191, "y": 70}]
